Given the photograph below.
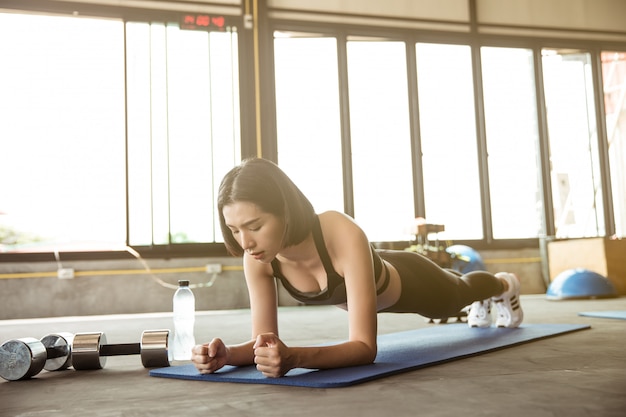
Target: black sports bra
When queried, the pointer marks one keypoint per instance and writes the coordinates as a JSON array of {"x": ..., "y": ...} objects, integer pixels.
[{"x": 335, "y": 292}]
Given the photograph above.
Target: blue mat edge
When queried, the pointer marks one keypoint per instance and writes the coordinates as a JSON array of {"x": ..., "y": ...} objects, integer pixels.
[
  {"x": 286, "y": 381},
  {"x": 609, "y": 314}
]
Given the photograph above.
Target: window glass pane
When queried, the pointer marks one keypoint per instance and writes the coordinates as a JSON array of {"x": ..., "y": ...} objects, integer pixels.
[
  {"x": 307, "y": 116},
  {"x": 576, "y": 185},
  {"x": 62, "y": 160},
  {"x": 203, "y": 129},
  {"x": 380, "y": 133},
  {"x": 139, "y": 128},
  {"x": 512, "y": 137},
  {"x": 614, "y": 77},
  {"x": 183, "y": 130},
  {"x": 448, "y": 133}
]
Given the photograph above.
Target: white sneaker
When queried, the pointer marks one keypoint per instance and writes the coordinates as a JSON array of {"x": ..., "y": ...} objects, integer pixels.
[
  {"x": 480, "y": 314},
  {"x": 508, "y": 305}
]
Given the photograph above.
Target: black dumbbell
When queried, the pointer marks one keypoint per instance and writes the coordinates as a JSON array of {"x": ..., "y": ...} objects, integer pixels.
[
  {"x": 89, "y": 350},
  {"x": 26, "y": 357}
]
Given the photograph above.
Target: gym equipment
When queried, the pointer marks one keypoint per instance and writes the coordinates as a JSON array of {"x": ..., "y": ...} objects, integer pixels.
[
  {"x": 61, "y": 344},
  {"x": 424, "y": 245},
  {"x": 26, "y": 357},
  {"x": 465, "y": 259},
  {"x": 21, "y": 358},
  {"x": 579, "y": 283},
  {"x": 89, "y": 350},
  {"x": 397, "y": 353}
]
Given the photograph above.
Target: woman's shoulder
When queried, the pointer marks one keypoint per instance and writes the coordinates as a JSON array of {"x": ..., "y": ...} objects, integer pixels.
[
  {"x": 335, "y": 223},
  {"x": 345, "y": 241},
  {"x": 334, "y": 218}
]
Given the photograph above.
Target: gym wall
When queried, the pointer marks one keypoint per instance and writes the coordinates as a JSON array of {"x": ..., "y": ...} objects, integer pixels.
[{"x": 126, "y": 286}]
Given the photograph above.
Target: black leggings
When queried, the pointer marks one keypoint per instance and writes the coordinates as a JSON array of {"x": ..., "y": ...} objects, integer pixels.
[{"x": 435, "y": 292}]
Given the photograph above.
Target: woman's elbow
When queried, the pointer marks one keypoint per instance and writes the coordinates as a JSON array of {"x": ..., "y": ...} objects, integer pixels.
[
  {"x": 369, "y": 355},
  {"x": 361, "y": 353}
]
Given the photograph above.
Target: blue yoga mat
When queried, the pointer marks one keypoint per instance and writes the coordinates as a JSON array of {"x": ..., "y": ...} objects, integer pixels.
[
  {"x": 615, "y": 314},
  {"x": 397, "y": 353}
]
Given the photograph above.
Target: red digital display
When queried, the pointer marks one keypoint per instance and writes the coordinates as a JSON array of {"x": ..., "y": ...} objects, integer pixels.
[{"x": 202, "y": 22}]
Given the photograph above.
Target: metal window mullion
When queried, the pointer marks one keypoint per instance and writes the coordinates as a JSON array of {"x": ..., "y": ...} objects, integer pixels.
[
  {"x": 416, "y": 138},
  {"x": 603, "y": 143},
  {"x": 210, "y": 117},
  {"x": 151, "y": 80},
  {"x": 544, "y": 146},
  {"x": 481, "y": 143},
  {"x": 126, "y": 145},
  {"x": 344, "y": 117},
  {"x": 167, "y": 141}
]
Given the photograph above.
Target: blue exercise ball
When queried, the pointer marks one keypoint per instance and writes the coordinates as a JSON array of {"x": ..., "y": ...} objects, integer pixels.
[
  {"x": 465, "y": 259},
  {"x": 580, "y": 283}
]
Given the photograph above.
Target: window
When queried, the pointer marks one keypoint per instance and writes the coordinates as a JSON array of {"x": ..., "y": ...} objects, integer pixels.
[
  {"x": 380, "y": 135},
  {"x": 183, "y": 124},
  {"x": 307, "y": 116},
  {"x": 117, "y": 132},
  {"x": 512, "y": 142},
  {"x": 448, "y": 134},
  {"x": 576, "y": 185},
  {"x": 62, "y": 133},
  {"x": 81, "y": 140}
]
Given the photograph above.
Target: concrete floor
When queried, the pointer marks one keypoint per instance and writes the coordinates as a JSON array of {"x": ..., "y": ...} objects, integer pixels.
[{"x": 577, "y": 374}]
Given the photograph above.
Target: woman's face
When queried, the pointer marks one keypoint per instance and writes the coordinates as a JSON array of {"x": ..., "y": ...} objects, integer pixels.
[{"x": 260, "y": 234}]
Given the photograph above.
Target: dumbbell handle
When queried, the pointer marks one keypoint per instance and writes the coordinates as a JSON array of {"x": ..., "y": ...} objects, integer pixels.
[
  {"x": 120, "y": 349},
  {"x": 55, "y": 352}
]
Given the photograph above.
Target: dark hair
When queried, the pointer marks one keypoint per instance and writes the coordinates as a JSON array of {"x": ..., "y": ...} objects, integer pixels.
[{"x": 263, "y": 183}]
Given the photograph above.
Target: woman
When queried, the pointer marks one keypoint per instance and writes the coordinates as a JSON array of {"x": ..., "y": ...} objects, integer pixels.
[{"x": 327, "y": 259}]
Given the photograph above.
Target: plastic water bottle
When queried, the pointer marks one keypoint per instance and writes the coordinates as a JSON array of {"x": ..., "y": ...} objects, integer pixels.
[{"x": 184, "y": 319}]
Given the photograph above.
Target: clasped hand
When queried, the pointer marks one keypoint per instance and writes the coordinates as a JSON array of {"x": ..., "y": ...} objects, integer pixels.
[{"x": 271, "y": 356}]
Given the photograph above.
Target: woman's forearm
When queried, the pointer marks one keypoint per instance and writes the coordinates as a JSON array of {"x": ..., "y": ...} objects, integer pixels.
[
  {"x": 241, "y": 354},
  {"x": 351, "y": 353}
]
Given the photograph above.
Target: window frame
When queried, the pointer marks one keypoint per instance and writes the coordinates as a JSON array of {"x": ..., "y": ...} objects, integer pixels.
[
  {"x": 341, "y": 32},
  {"x": 476, "y": 41},
  {"x": 126, "y": 15}
]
